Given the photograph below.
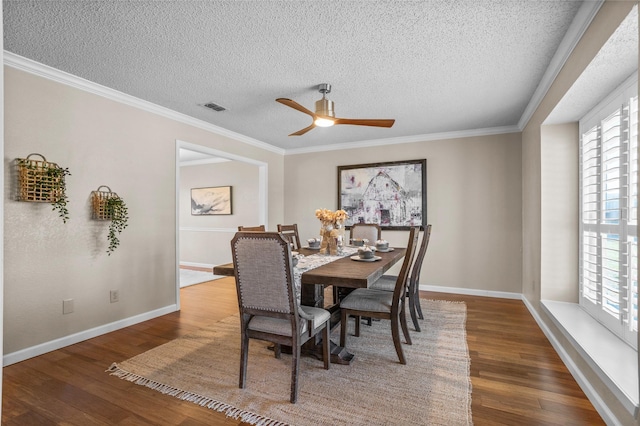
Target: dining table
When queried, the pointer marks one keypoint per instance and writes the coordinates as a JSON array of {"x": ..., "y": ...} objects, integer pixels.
[{"x": 345, "y": 271}]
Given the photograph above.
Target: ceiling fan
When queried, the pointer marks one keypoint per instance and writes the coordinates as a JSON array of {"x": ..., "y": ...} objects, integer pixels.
[{"x": 325, "y": 116}]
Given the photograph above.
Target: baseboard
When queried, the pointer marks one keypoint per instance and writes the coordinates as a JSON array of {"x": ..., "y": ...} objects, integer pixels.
[
  {"x": 197, "y": 265},
  {"x": 593, "y": 396},
  {"x": 472, "y": 292},
  {"x": 53, "y": 345}
]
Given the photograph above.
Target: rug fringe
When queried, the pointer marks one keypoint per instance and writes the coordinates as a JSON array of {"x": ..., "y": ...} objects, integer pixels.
[{"x": 203, "y": 401}]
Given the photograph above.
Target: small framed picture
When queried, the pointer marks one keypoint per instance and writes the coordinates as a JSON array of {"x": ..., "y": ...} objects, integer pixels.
[{"x": 211, "y": 201}]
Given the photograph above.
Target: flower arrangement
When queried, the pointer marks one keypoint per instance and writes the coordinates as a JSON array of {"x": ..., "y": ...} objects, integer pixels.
[{"x": 332, "y": 230}]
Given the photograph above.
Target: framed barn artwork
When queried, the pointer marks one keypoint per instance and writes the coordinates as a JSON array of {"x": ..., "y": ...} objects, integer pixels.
[{"x": 392, "y": 194}]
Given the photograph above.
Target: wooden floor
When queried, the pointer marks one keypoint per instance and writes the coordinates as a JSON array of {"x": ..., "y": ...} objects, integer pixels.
[{"x": 517, "y": 377}]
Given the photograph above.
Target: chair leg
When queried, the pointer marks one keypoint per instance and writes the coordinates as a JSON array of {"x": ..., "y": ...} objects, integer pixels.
[
  {"x": 417, "y": 299},
  {"x": 277, "y": 350},
  {"x": 395, "y": 333},
  {"x": 357, "y": 326},
  {"x": 295, "y": 370},
  {"x": 343, "y": 327},
  {"x": 403, "y": 323},
  {"x": 325, "y": 346},
  {"x": 413, "y": 310},
  {"x": 244, "y": 352}
]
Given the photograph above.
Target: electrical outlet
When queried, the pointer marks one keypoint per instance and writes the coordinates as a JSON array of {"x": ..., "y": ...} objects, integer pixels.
[
  {"x": 115, "y": 296},
  {"x": 67, "y": 306}
]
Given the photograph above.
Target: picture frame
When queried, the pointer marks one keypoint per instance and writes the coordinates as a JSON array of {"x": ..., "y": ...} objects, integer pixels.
[
  {"x": 214, "y": 200},
  {"x": 391, "y": 194}
]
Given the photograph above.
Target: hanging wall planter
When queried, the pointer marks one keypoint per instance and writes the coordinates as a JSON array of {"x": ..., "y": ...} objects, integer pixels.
[
  {"x": 108, "y": 205},
  {"x": 41, "y": 181}
]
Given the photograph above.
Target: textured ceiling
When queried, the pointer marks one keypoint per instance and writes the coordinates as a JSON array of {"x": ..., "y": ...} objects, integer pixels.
[
  {"x": 617, "y": 60},
  {"x": 434, "y": 66}
]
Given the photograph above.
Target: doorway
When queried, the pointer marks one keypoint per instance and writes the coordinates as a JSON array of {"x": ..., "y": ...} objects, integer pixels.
[{"x": 192, "y": 155}]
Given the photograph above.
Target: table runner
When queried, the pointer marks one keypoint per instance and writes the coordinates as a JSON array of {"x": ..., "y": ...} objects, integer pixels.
[{"x": 312, "y": 261}]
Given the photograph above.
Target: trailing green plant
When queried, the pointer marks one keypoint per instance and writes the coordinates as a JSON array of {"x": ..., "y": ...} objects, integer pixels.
[
  {"x": 60, "y": 204},
  {"x": 118, "y": 213},
  {"x": 49, "y": 181}
]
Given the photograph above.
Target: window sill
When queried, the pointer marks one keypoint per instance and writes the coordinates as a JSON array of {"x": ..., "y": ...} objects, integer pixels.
[{"x": 615, "y": 362}]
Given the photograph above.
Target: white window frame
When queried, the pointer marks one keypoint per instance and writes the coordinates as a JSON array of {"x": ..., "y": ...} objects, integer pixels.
[{"x": 592, "y": 269}]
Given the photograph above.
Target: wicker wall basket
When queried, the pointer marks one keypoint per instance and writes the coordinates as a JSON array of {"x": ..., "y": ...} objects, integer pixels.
[
  {"x": 36, "y": 182},
  {"x": 99, "y": 202}
]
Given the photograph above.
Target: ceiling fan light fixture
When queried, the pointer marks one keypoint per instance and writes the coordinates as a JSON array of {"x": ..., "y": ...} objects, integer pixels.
[
  {"x": 324, "y": 112},
  {"x": 324, "y": 116},
  {"x": 323, "y": 122},
  {"x": 324, "y": 107}
]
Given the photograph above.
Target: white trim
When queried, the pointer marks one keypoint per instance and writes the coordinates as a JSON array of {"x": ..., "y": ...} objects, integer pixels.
[
  {"x": 472, "y": 292},
  {"x": 177, "y": 207},
  {"x": 579, "y": 25},
  {"x": 2, "y": 202},
  {"x": 71, "y": 339},
  {"x": 45, "y": 71},
  {"x": 407, "y": 139}
]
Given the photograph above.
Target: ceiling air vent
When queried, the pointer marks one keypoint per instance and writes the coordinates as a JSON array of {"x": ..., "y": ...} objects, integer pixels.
[{"x": 214, "y": 107}]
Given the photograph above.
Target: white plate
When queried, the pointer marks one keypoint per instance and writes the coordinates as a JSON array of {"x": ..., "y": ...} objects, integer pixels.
[
  {"x": 311, "y": 248},
  {"x": 359, "y": 259},
  {"x": 385, "y": 251}
]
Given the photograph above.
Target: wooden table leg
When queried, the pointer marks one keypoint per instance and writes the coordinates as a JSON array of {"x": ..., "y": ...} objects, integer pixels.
[{"x": 313, "y": 295}]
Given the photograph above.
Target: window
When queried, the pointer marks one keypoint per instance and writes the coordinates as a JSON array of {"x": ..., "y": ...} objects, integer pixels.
[{"x": 608, "y": 213}]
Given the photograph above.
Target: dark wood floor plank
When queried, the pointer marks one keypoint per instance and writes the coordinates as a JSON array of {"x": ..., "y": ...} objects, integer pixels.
[{"x": 517, "y": 377}]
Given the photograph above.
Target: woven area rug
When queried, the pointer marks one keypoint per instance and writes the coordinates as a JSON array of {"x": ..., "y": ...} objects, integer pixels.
[{"x": 434, "y": 388}]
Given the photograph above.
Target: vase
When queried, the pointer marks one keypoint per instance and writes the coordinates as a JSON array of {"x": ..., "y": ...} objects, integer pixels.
[{"x": 325, "y": 233}]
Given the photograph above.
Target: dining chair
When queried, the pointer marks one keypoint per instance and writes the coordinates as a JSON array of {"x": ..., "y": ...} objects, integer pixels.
[
  {"x": 269, "y": 308},
  {"x": 259, "y": 228},
  {"x": 291, "y": 233},
  {"x": 368, "y": 302},
  {"x": 387, "y": 282},
  {"x": 370, "y": 231}
]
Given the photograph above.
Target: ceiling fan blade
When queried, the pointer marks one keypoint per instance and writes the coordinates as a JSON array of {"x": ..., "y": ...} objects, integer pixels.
[
  {"x": 295, "y": 105},
  {"x": 303, "y": 131},
  {"x": 365, "y": 122}
]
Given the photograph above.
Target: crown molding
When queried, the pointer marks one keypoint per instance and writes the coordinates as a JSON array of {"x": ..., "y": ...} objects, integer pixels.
[
  {"x": 50, "y": 73},
  {"x": 407, "y": 139},
  {"x": 579, "y": 25}
]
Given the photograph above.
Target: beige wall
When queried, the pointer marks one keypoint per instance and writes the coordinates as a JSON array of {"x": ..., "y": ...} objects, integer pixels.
[
  {"x": 102, "y": 142},
  {"x": 535, "y": 191},
  {"x": 473, "y": 202},
  {"x": 559, "y": 212},
  {"x": 205, "y": 239}
]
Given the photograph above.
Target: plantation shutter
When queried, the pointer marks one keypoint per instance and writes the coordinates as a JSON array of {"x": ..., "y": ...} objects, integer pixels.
[{"x": 608, "y": 220}]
